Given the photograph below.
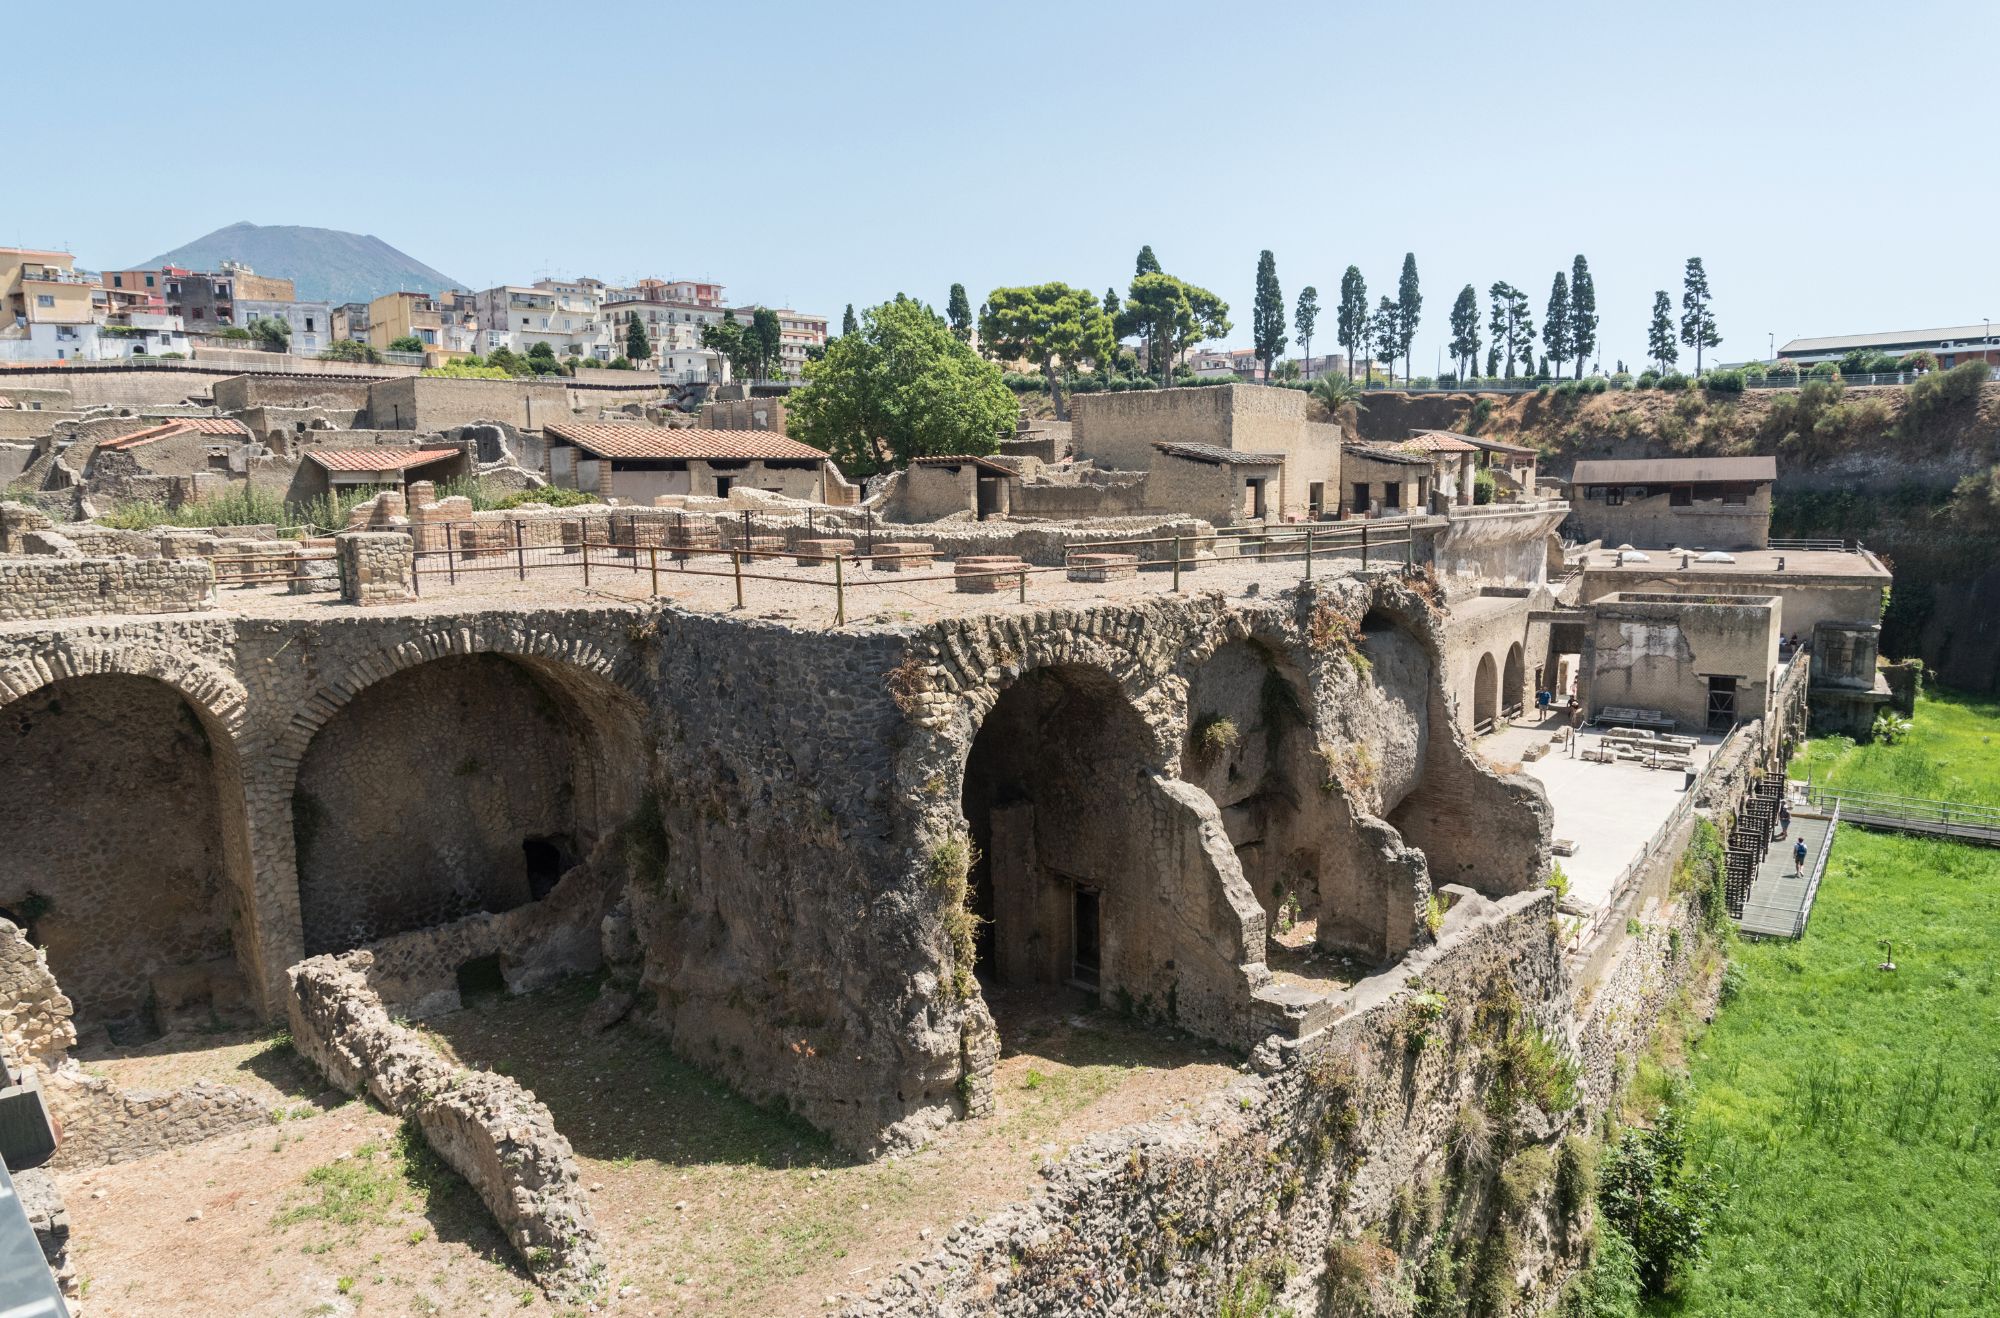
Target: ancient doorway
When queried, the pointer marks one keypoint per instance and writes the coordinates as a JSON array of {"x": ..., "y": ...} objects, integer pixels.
[
  {"x": 1485, "y": 694},
  {"x": 1513, "y": 683}
]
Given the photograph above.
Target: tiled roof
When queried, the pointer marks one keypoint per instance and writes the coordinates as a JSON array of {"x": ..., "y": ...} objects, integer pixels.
[
  {"x": 616, "y": 441},
  {"x": 183, "y": 425},
  {"x": 377, "y": 459},
  {"x": 1215, "y": 453},
  {"x": 1490, "y": 445},
  {"x": 1668, "y": 471},
  {"x": 1376, "y": 453},
  {"x": 1437, "y": 441}
]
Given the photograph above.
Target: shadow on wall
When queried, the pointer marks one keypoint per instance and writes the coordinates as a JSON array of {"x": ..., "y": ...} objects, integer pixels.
[
  {"x": 469, "y": 783},
  {"x": 120, "y": 860}
]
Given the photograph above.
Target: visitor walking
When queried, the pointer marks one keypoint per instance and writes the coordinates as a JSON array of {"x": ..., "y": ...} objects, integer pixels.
[
  {"x": 1799, "y": 856},
  {"x": 1784, "y": 820}
]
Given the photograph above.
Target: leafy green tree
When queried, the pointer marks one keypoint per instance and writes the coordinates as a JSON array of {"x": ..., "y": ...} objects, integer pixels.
[
  {"x": 1582, "y": 312},
  {"x": 1111, "y": 304},
  {"x": 271, "y": 333},
  {"x": 725, "y": 338},
  {"x": 1465, "y": 331},
  {"x": 1385, "y": 337},
  {"x": 1353, "y": 316},
  {"x": 1051, "y": 325},
  {"x": 1305, "y": 316},
  {"x": 768, "y": 337},
  {"x": 1697, "y": 312},
  {"x": 349, "y": 350},
  {"x": 847, "y": 322},
  {"x": 1660, "y": 1201},
  {"x": 1660, "y": 334},
  {"x": 1267, "y": 313},
  {"x": 1334, "y": 392},
  {"x": 1512, "y": 326},
  {"x": 901, "y": 386},
  {"x": 1173, "y": 315},
  {"x": 637, "y": 346},
  {"x": 406, "y": 343},
  {"x": 1409, "y": 306},
  {"x": 542, "y": 360},
  {"x": 1147, "y": 264},
  {"x": 958, "y": 310},
  {"x": 508, "y": 360},
  {"x": 1555, "y": 323}
]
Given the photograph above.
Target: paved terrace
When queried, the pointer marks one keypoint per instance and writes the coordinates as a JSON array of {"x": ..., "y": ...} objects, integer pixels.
[
  {"x": 1754, "y": 564},
  {"x": 777, "y": 589}
]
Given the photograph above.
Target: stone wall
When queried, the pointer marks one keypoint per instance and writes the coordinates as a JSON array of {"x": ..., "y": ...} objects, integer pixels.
[
  {"x": 488, "y": 1128},
  {"x": 376, "y": 567},
  {"x": 433, "y": 403},
  {"x": 241, "y": 393},
  {"x": 45, "y": 587},
  {"x": 35, "y": 1014},
  {"x": 102, "y": 1123}
]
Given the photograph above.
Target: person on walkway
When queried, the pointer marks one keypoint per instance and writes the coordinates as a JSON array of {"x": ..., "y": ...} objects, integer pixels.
[
  {"x": 1784, "y": 820},
  {"x": 1799, "y": 856}
]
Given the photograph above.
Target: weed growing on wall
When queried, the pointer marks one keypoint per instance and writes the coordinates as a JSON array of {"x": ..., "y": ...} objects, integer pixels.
[
  {"x": 1213, "y": 737},
  {"x": 948, "y": 868}
]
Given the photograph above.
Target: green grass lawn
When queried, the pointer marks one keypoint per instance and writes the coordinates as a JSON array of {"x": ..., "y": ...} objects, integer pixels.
[
  {"x": 1952, "y": 754},
  {"x": 1857, "y": 1111}
]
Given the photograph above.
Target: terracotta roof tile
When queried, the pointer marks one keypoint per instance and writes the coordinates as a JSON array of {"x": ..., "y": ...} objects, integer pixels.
[
  {"x": 617, "y": 441},
  {"x": 180, "y": 425},
  {"x": 1436, "y": 441},
  {"x": 377, "y": 459}
]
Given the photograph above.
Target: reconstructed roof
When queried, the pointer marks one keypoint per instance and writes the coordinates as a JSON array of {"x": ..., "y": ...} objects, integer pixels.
[
  {"x": 1669, "y": 471},
  {"x": 183, "y": 425},
  {"x": 619, "y": 441},
  {"x": 1490, "y": 445},
  {"x": 1216, "y": 454},
  {"x": 963, "y": 459},
  {"x": 1375, "y": 453},
  {"x": 377, "y": 459},
  {"x": 1438, "y": 441}
]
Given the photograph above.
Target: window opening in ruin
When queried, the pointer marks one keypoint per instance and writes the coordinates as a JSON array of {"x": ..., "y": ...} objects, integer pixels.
[
  {"x": 1721, "y": 703},
  {"x": 1361, "y": 497},
  {"x": 480, "y": 977},
  {"x": 722, "y": 484},
  {"x": 548, "y": 859},
  {"x": 1316, "y": 497},
  {"x": 1392, "y": 495},
  {"x": 1084, "y": 951},
  {"x": 1681, "y": 496}
]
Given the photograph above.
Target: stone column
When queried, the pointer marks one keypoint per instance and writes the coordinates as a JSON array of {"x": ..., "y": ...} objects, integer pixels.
[{"x": 376, "y": 567}]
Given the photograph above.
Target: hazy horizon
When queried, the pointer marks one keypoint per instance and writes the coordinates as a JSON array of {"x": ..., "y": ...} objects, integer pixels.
[{"x": 814, "y": 158}]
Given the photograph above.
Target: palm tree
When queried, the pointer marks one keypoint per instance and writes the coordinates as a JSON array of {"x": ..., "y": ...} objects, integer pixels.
[{"x": 1334, "y": 392}]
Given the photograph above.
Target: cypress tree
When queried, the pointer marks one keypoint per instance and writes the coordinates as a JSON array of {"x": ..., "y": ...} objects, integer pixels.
[
  {"x": 1352, "y": 322},
  {"x": 1555, "y": 324},
  {"x": 1267, "y": 313},
  {"x": 958, "y": 313},
  {"x": 1582, "y": 312},
  {"x": 1409, "y": 305},
  {"x": 1660, "y": 334},
  {"x": 1697, "y": 314}
]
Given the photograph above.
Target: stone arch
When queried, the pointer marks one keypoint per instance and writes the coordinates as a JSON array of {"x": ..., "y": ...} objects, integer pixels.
[
  {"x": 1094, "y": 868},
  {"x": 1513, "y": 682},
  {"x": 1485, "y": 694},
  {"x": 128, "y": 849},
  {"x": 453, "y": 776}
]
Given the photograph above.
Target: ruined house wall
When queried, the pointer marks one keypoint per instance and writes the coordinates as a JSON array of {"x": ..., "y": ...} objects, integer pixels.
[
  {"x": 491, "y": 1130},
  {"x": 432, "y": 403},
  {"x": 102, "y": 1123},
  {"x": 44, "y": 587},
  {"x": 35, "y": 1014}
]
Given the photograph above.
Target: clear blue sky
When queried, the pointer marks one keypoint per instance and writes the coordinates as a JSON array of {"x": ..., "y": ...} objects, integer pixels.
[{"x": 1831, "y": 162}]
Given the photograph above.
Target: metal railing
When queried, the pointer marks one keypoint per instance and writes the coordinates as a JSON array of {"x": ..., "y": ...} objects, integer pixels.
[
  {"x": 278, "y": 567},
  {"x": 1862, "y": 807},
  {"x": 1804, "y": 543},
  {"x": 1819, "y": 872}
]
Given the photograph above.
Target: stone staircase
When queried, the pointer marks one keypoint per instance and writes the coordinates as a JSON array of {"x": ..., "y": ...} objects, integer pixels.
[{"x": 1751, "y": 836}]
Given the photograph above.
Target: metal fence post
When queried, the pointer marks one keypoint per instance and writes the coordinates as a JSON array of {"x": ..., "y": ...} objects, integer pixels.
[
  {"x": 1177, "y": 563},
  {"x": 653, "y": 557},
  {"x": 839, "y": 593},
  {"x": 736, "y": 562},
  {"x": 1364, "y": 546},
  {"x": 1309, "y": 552},
  {"x": 520, "y": 554},
  {"x": 1022, "y": 582},
  {"x": 586, "y": 556}
]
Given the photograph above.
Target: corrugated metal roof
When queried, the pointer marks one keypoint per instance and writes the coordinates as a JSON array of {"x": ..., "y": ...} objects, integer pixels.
[
  {"x": 616, "y": 441},
  {"x": 1669, "y": 471},
  {"x": 1894, "y": 338},
  {"x": 377, "y": 459},
  {"x": 1215, "y": 453},
  {"x": 1376, "y": 453},
  {"x": 183, "y": 425}
]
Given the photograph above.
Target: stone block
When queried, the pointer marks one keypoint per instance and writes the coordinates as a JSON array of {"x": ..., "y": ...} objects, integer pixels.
[
  {"x": 1103, "y": 567},
  {"x": 819, "y": 553},
  {"x": 902, "y": 556},
  {"x": 987, "y": 574}
]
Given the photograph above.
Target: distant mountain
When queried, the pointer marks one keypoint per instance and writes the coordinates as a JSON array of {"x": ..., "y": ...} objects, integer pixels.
[{"x": 324, "y": 265}]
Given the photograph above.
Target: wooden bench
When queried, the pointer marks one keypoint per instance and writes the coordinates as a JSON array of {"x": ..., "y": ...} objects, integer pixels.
[{"x": 1626, "y": 716}]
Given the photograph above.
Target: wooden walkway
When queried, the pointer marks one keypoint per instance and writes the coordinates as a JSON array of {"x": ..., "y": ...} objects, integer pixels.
[{"x": 1780, "y": 900}]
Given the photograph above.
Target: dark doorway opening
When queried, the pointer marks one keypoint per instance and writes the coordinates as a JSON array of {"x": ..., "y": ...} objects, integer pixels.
[
  {"x": 548, "y": 859},
  {"x": 481, "y": 977},
  {"x": 1721, "y": 703},
  {"x": 1084, "y": 954}
]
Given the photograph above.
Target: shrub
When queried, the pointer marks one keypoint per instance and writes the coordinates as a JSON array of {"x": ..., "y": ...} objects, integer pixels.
[
  {"x": 1596, "y": 384},
  {"x": 1576, "y": 1179},
  {"x": 1824, "y": 371},
  {"x": 1934, "y": 397},
  {"x": 1482, "y": 487},
  {"x": 1608, "y": 1286},
  {"x": 1673, "y": 382},
  {"x": 458, "y": 370},
  {"x": 555, "y": 496},
  {"x": 1214, "y": 737},
  {"x": 1723, "y": 382},
  {"x": 621, "y": 363},
  {"x": 1621, "y": 380},
  {"x": 406, "y": 343},
  {"x": 1662, "y": 1203},
  {"x": 1921, "y": 360}
]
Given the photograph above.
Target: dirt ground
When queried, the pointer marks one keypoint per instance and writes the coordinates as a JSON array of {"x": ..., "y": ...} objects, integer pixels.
[{"x": 705, "y": 1203}]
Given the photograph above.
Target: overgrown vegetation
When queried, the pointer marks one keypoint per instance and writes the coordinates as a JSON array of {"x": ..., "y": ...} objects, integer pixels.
[
  {"x": 1213, "y": 737},
  {"x": 1703, "y": 868},
  {"x": 948, "y": 868}
]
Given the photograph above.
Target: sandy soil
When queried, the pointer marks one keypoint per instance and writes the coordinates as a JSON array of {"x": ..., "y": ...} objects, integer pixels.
[{"x": 706, "y": 1204}]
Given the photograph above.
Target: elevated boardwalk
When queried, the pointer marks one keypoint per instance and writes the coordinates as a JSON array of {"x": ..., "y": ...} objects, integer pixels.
[
  {"x": 1781, "y": 898},
  {"x": 1912, "y": 814}
]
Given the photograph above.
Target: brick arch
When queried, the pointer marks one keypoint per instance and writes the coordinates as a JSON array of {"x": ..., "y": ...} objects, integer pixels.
[
  {"x": 562, "y": 660},
  {"x": 213, "y": 693}
]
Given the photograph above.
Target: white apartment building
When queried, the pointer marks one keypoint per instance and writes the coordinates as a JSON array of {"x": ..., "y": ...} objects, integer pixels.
[
  {"x": 311, "y": 322},
  {"x": 566, "y": 316}
]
